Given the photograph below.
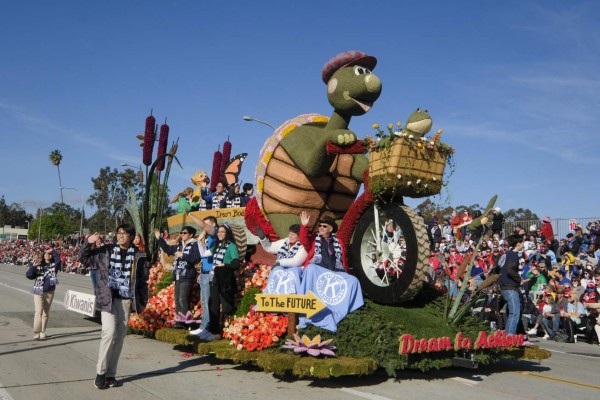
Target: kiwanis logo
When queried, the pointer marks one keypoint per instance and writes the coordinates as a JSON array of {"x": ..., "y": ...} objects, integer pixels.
[
  {"x": 331, "y": 288},
  {"x": 281, "y": 282}
]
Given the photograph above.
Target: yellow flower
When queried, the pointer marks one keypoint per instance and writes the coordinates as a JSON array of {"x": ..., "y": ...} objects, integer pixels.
[
  {"x": 375, "y": 126},
  {"x": 288, "y": 130},
  {"x": 268, "y": 156},
  {"x": 399, "y": 124},
  {"x": 390, "y": 126}
]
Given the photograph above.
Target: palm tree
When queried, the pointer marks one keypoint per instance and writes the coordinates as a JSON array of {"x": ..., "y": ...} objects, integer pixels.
[{"x": 56, "y": 158}]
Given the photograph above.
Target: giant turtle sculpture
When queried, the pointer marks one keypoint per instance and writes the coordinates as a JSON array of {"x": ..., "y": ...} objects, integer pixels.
[{"x": 295, "y": 172}]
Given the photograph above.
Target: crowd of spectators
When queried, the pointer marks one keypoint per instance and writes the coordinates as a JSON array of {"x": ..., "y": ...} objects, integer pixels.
[
  {"x": 21, "y": 252},
  {"x": 560, "y": 279}
]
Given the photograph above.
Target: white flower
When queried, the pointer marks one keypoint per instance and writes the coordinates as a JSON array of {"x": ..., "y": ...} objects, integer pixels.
[
  {"x": 418, "y": 181},
  {"x": 434, "y": 179},
  {"x": 409, "y": 183},
  {"x": 431, "y": 143},
  {"x": 425, "y": 186},
  {"x": 404, "y": 134},
  {"x": 410, "y": 137},
  {"x": 399, "y": 176},
  {"x": 423, "y": 138}
]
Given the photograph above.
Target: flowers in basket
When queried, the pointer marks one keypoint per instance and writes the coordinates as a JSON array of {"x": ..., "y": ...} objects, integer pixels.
[
  {"x": 405, "y": 162},
  {"x": 314, "y": 347},
  {"x": 256, "y": 330}
]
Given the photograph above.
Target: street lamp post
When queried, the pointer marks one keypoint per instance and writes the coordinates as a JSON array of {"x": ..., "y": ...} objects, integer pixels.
[
  {"x": 40, "y": 225},
  {"x": 81, "y": 219},
  {"x": 132, "y": 166},
  {"x": 248, "y": 118}
]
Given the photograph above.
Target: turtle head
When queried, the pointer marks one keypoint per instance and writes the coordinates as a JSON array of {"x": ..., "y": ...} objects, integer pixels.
[
  {"x": 418, "y": 123},
  {"x": 351, "y": 86}
]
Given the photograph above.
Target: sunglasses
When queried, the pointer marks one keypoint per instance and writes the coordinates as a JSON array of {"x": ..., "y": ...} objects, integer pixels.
[
  {"x": 184, "y": 233},
  {"x": 323, "y": 226}
]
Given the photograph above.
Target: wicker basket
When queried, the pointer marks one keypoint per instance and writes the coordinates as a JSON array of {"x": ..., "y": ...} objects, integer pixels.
[{"x": 421, "y": 170}]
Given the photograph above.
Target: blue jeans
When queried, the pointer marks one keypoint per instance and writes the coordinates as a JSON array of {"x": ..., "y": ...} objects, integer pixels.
[
  {"x": 94, "y": 275},
  {"x": 513, "y": 303},
  {"x": 204, "y": 297},
  {"x": 551, "y": 331}
]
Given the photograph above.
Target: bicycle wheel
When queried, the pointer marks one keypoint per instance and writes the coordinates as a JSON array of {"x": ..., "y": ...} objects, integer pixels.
[{"x": 390, "y": 264}]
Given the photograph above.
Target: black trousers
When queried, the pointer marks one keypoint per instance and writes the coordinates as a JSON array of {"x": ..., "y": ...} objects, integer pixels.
[{"x": 221, "y": 300}]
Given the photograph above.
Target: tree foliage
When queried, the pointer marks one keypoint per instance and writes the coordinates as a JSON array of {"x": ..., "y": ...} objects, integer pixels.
[
  {"x": 55, "y": 222},
  {"x": 13, "y": 214},
  {"x": 520, "y": 214},
  {"x": 428, "y": 209},
  {"x": 111, "y": 191}
]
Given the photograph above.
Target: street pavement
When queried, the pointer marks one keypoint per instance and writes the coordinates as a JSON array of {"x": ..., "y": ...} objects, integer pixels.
[{"x": 63, "y": 367}]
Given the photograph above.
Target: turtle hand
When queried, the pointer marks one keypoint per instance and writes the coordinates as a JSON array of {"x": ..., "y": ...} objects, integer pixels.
[{"x": 344, "y": 137}]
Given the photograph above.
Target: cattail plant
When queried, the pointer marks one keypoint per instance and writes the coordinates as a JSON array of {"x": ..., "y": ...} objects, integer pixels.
[
  {"x": 162, "y": 145},
  {"x": 225, "y": 159},
  {"x": 149, "y": 137},
  {"x": 216, "y": 169}
]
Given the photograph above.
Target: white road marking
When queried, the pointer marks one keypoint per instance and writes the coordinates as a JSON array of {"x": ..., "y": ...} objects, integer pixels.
[
  {"x": 29, "y": 293},
  {"x": 468, "y": 382},
  {"x": 364, "y": 395},
  {"x": 4, "y": 394}
]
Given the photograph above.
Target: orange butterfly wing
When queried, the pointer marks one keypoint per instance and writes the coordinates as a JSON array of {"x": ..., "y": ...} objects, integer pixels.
[{"x": 234, "y": 168}]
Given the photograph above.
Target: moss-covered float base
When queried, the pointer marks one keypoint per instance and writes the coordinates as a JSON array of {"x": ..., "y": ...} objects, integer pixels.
[
  {"x": 272, "y": 360},
  {"x": 366, "y": 340}
]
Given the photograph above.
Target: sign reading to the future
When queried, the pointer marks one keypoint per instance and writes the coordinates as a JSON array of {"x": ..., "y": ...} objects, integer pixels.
[{"x": 308, "y": 304}]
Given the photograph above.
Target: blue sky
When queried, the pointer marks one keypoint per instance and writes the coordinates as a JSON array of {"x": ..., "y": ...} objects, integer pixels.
[{"x": 514, "y": 86}]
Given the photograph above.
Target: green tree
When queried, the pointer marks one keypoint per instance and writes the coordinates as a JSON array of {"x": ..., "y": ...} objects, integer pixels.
[
  {"x": 520, "y": 214},
  {"x": 110, "y": 192},
  {"x": 3, "y": 211},
  {"x": 55, "y": 224},
  {"x": 56, "y": 158}
]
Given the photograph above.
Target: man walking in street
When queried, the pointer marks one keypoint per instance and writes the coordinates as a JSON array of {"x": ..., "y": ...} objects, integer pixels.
[{"x": 122, "y": 287}]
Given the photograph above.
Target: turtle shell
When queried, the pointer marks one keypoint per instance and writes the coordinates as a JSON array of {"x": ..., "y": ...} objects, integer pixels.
[{"x": 282, "y": 188}]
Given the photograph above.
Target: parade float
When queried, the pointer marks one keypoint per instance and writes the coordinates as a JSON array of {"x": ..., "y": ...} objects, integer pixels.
[{"x": 316, "y": 164}]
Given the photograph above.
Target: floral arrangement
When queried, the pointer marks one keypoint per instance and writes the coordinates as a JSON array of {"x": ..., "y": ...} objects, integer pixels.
[
  {"x": 155, "y": 275},
  {"x": 314, "y": 347},
  {"x": 160, "y": 309},
  {"x": 256, "y": 330},
  {"x": 255, "y": 276},
  {"x": 406, "y": 164},
  {"x": 157, "y": 314}
]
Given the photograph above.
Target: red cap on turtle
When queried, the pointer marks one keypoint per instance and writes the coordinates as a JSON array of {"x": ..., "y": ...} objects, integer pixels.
[{"x": 345, "y": 59}]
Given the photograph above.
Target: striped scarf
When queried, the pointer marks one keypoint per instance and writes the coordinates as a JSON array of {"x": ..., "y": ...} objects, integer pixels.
[
  {"x": 234, "y": 202},
  {"x": 317, "y": 257},
  {"x": 220, "y": 253},
  {"x": 286, "y": 251},
  {"x": 49, "y": 273},
  {"x": 119, "y": 271}
]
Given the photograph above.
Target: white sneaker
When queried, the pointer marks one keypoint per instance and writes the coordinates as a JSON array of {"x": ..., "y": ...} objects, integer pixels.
[
  {"x": 42, "y": 335},
  {"x": 532, "y": 331},
  {"x": 546, "y": 337},
  {"x": 196, "y": 331},
  {"x": 36, "y": 336}
]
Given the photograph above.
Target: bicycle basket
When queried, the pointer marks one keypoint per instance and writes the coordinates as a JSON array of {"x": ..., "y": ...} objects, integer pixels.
[{"x": 406, "y": 167}]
